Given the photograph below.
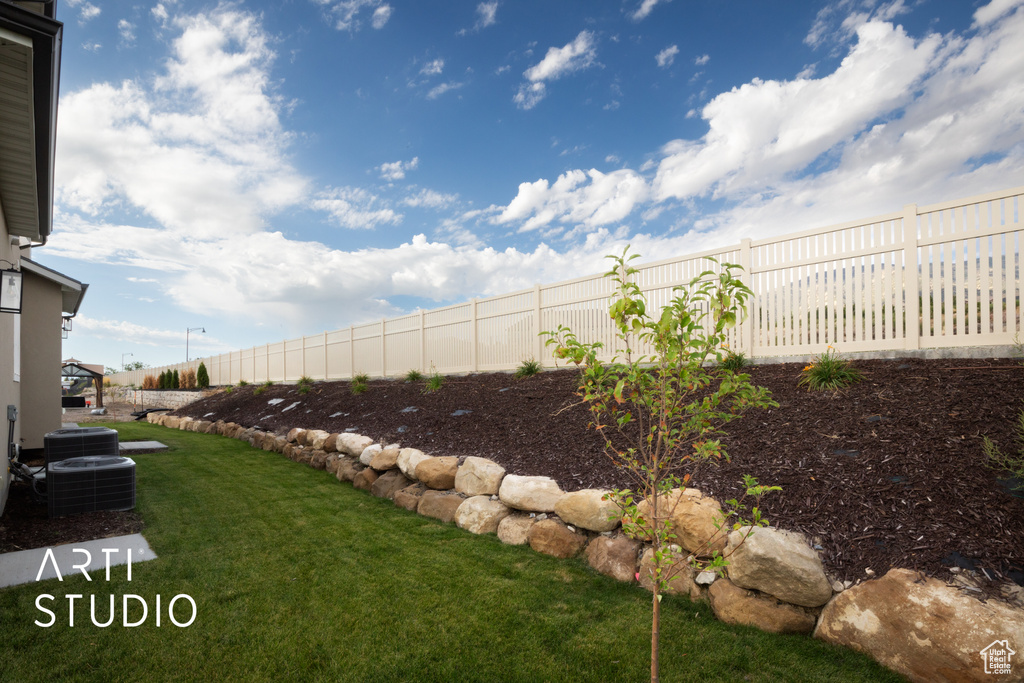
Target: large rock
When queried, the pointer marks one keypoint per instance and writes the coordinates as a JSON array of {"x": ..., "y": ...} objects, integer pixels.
[
  {"x": 409, "y": 497},
  {"x": 364, "y": 479},
  {"x": 310, "y": 436},
  {"x": 331, "y": 463},
  {"x": 735, "y": 605},
  {"x": 408, "y": 459},
  {"x": 321, "y": 441},
  {"x": 779, "y": 563},
  {"x": 588, "y": 509},
  {"x": 388, "y": 484},
  {"x": 347, "y": 469},
  {"x": 481, "y": 515},
  {"x": 675, "y": 569},
  {"x": 439, "y": 505},
  {"x": 294, "y": 434},
  {"x": 693, "y": 518},
  {"x": 318, "y": 460},
  {"x": 171, "y": 422},
  {"x": 279, "y": 443},
  {"x": 532, "y": 494},
  {"x": 352, "y": 444},
  {"x": 386, "y": 459},
  {"x": 331, "y": 443},
  {"x": 515, "y": 529},
  {"x": 369, "y": 453},
  {"x": 438, "y": 473},
  {"x": 614, "y": 556},
  {"x": 479, "y": 477},
  {"x": 552, "y": 537},
  {"x": 184, "y": 422},
  {"x": 922, "y": 628}
]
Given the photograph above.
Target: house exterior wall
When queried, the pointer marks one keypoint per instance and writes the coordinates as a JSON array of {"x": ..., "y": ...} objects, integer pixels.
[
  {"x": 40, "y": 411},
  {"x": 10, "y": 391}
]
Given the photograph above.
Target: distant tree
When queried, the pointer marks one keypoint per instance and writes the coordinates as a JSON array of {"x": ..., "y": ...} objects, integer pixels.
[
  {"x": 175, "y": 381},
  {"x": 202, "y": 376},
  {"x": 137, "y": 365},
  {"x": 161, "y": 380}
]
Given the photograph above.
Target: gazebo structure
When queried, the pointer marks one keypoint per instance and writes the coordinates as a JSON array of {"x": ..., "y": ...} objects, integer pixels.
[{"x": 76, "y": 369}]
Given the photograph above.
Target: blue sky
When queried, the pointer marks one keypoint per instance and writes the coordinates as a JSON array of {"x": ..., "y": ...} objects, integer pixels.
[{"x": 272, "y": 169}]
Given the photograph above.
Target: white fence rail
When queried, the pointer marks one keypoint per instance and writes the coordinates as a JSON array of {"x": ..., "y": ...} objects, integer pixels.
[{"x": 939, "y": 276}]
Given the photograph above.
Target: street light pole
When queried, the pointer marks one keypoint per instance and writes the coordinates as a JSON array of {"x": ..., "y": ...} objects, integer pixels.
[
  {"x": 188, "y": 332},
  {"x": 122, "y": 358}
]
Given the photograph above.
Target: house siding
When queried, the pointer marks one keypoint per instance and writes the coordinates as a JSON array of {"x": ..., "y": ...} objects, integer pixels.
[{"x": 40, "y": 360}]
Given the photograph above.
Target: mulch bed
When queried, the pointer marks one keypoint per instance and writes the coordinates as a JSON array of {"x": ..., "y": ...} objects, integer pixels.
[
  {"x": 887, "y": 473},
  {"x": 25, "y": 524}
]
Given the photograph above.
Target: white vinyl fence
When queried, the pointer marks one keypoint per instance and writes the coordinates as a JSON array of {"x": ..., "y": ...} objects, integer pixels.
[{"x": 946, "y": 275}]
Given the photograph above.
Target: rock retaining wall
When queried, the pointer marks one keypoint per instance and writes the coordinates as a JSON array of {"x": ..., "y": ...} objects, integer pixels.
[
  {"x": 155, "y": 398},
  {"x": 775, "y": 581}
]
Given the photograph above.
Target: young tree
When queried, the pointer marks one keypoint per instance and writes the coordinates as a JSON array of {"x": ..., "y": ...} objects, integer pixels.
[
  {"x": 202, "y": 376},
  {"x": 658, "y": 412},
  {"x": 175, "y": 381}
]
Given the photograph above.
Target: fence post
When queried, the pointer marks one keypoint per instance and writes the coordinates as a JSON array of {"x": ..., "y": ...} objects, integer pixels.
[
  {"x": 538, "y": 342},
  {"x": 747, "y": 278},
  {"x": 325, "y": 355},
  {"x": 475, "y": 362},
  {"x": 383, "y": 348},
  {"x": 911, "y": 279},
  {"x": 351, "y": 351},
  {"x": 423, "y": 342}
]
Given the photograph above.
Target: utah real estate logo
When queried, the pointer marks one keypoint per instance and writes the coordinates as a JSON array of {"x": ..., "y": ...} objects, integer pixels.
[{"x": 997, "y": 657}]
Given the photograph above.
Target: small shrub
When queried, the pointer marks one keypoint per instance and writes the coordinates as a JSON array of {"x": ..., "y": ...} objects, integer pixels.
[
  {"x": 202, "y": 377},
  {"x": 434, "y": 382},
  {"x": 263, "y": 387},
  {"x": 413, "y": 376},
  {"x": 734, "y": 362},
  {"x": 188, "y": 379},
  {"x": 358, "y": 387},
  {"x": 528, "y": 368},
  {"x": 149, "y": 382},
  {"x": 304, "y": 388},
  {"x": 228, "y": 389},
  {"x": 1012, "y": 462},
  {"x": 361, "y": 378},
  {"x": 829, "y": 371},
  {"x": 306, "y": 380},
  {"x": 175, "y": 381},
  {"x": 242, "y": 383},
  {"x": 165, "y": 380}
]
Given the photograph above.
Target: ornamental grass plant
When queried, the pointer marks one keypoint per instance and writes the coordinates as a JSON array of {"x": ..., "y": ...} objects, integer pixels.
[{"x": 829, "y": 372}]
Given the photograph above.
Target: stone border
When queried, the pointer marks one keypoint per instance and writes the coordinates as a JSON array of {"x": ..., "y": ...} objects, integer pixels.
[{"x": 775, "y": 581}]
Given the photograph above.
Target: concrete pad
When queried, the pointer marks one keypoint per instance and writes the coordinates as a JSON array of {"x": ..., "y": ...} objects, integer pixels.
[
  {"x": 23, "y": 566},
  {"x": 129, "y": 447}
]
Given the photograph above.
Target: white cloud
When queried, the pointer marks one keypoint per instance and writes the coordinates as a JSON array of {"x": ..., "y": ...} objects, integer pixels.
[
  {"x": 198, "y": 149},
  {"x": 356, "y": 208},
  {"x": 667, "y": 56},
  {"x": 645, "y": 9},
  {"x": 381, "y": 16},
  {"x": 580, "y": 54},
  {"x": 347, "y": 14},
  {"x": 160, "y": 12},
  {"x": 442, "y": 88},
  {"x": 997, "y": 8},
  {"x": 571, "y": 199},
  {"x": 430, "y": 199},
  {"x": 702, "y": 60},
  {"x": 433, "y": 67},
  {"x": 127, "y": 31},
  {"x": 395, "y": 170},
  {"x": 132, "y": 333},
  {"x": 88, "y": 11},
  {"x": 92, "y": 47},
  {"x": 764, "y": 130},
  {"x": 486, "y": 14}
]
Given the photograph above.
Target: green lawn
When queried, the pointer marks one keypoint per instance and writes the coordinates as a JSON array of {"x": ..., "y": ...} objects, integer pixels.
[{"x": 298, "y": 577}]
